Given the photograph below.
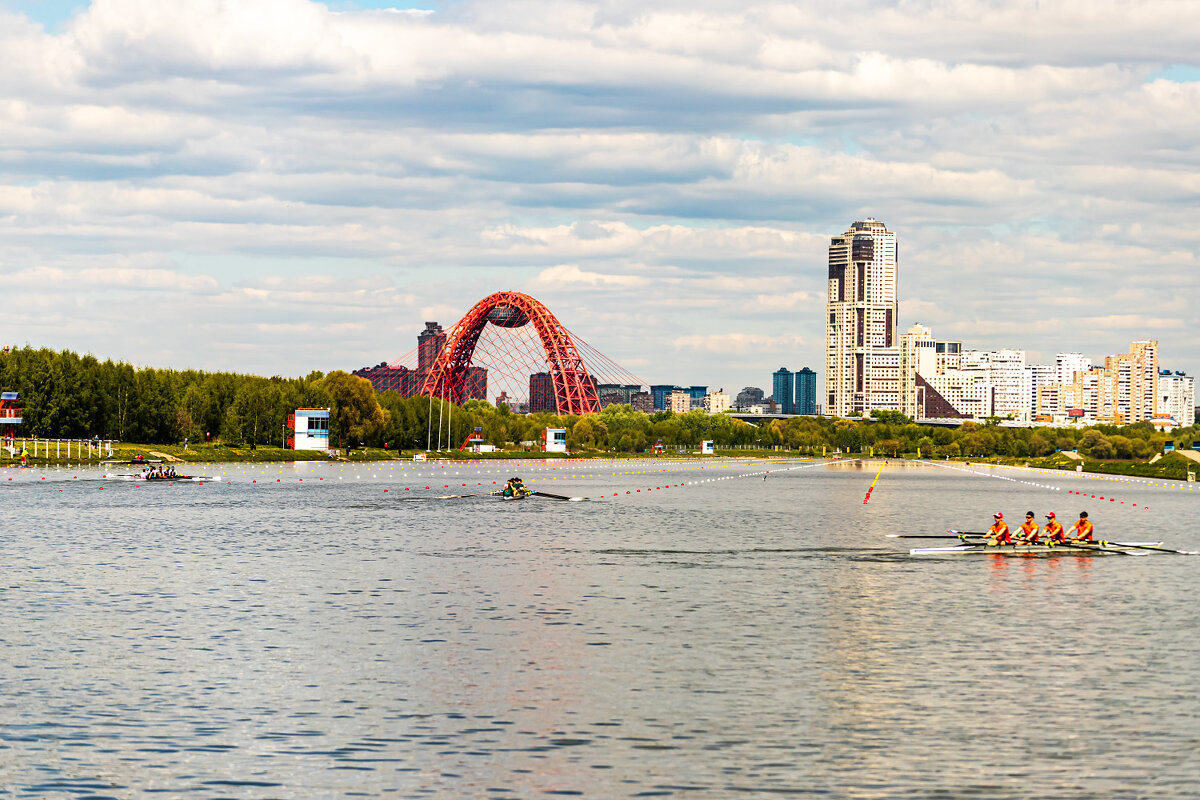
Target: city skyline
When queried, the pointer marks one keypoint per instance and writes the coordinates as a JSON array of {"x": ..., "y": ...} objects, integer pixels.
[{"x": 279, "y": 198}]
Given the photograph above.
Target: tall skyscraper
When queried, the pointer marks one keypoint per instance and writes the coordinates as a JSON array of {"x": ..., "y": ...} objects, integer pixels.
[
  {"x": 784, "y": 390},
  {"x": 429, "y": 343},
  {"x": 862, "y": 360},
  {"x": 806, "y": 391}
]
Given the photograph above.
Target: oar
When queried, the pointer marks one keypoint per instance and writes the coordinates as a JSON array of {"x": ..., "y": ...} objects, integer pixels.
[
  {"x": 537, "y": 493},
  {"x": 1148, "y": 547},
  {"x": 927, "y": 536},
  {"x": 1098, "y": 547}
]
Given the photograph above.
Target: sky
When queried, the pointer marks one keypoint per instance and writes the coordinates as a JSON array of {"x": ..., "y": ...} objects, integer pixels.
[{"x": 281, "y": 186}]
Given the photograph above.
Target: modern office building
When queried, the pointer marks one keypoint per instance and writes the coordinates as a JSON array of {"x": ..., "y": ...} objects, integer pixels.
[
  {"x": 783, "y": 389},
  {"x": 659, "y": 393},
  {"x": 861, "y": 349},
  {"x": 806, "y": 391}
]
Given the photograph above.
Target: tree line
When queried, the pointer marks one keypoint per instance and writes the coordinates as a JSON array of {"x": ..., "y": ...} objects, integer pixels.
[{"x": 66, "y": 395}]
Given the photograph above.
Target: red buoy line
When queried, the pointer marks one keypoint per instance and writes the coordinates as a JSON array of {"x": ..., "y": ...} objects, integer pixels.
[{"x": 1029, "y": 483}]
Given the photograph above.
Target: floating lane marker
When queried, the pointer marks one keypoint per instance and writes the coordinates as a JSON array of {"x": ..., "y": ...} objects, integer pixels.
[{"x": 871, "y": 488}]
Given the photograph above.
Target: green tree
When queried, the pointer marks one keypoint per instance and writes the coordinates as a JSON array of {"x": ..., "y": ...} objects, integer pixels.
[{"x": 354, "y": 408}]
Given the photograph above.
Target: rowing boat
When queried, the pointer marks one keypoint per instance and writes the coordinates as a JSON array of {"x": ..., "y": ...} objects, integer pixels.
[
  {"x": 1126, "y": 548},
  {"x": 167, "y": 479}
]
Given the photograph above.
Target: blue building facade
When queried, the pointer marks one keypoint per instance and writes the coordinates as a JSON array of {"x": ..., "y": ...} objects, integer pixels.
[
  {"x": 806, "y": 391},
  {"x": 784, "y": 390}
]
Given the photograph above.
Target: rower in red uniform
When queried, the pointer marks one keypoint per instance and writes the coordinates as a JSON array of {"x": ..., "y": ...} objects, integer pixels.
[
  {"x": 998, "y": 533},
  {"x": 1028, "y": 532},
  {"x": 1081, "y": 531},
  {"x": 1054, "y": 530}
]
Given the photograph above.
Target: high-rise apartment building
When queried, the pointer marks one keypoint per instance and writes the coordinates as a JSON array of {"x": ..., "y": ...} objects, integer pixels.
[
  {"x": 861, "y": 357},
  {"x": 1136, "y": 374},
  {"x": 783, "y": 390},
  {"x": 806, "y": 391},
  {"x": 1177, "y": 397}
]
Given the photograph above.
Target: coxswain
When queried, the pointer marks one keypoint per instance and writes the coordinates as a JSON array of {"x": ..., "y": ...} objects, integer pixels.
[
  {"x": 998, "y": 534},
  {"x": 1081, "y": 531},
  {"x": 1054, "y": 530},
  {"x": 1028, "y": 532}
]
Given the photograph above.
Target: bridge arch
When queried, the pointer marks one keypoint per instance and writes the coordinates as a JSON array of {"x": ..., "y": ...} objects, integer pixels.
[{"x": 574, "y": 389}]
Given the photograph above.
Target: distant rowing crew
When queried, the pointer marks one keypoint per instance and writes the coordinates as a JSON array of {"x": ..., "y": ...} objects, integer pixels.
[{"x": 1082, "y": 532}]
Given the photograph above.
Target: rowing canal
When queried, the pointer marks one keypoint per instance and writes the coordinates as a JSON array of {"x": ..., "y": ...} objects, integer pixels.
[{"x": 299, "y": 632}]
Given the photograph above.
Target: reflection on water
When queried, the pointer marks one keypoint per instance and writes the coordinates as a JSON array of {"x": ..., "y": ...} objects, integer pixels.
[{"x": 318, "y": 637}]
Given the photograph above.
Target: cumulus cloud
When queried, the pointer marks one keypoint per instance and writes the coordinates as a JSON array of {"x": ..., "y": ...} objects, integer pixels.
[{"x": 322, "y": 182}]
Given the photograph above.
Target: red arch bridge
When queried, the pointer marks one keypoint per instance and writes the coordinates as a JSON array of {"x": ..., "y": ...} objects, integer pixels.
[{"x": 509, "y": 348}]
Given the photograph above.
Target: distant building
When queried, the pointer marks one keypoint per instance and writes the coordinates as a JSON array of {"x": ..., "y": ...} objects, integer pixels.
[
  {"x": 541, "y": 393},
  {"x": 1005, "y": 371},
  {"x": 716, "y": 402},
  {"x": 1177, "y": 397},
  {"x": 642, "y": 401},
  {"x": 429, "y": 343},
  {"x": 1067, "y": 364},
  {"x": 806, "y": 391},
  {"x": 680, "y": 401},
  {"x": 783, "y": 389},
  {"x": 659, "y": 393},
  {"x": 410, "y": 382},
  {"x": 750, "y": 396},
  {"x": 861, "y": 355}
]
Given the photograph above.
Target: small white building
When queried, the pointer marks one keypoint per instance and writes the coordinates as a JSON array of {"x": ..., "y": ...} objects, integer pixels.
[
  {"x": 310, "y": 429},
  {"x": 554, "y": 440}
]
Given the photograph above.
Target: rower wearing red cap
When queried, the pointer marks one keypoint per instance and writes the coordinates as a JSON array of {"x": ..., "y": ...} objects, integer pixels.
[
  {"x": 998, "y": 534},
  {"x": 1054, "y": 530},
  {"x": 1081, "y": 531},
  {"x": 1028, "y": 532}
]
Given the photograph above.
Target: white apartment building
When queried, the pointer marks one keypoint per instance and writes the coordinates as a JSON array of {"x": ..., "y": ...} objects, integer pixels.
[
  {"x": 680, "y": 402},
  {"x": 716, "y": 402},
  {"x": 1177, "y": 397},
  {"x": 922, "y": 355},
  {"x": 1067, "y": 364},
  {"x": 970, "y": 391},
  {"x": 1040, "y": 375},
  {"x": 1005, "y": 371}
]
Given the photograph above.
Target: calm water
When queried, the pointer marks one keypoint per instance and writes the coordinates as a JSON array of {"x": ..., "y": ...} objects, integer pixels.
[{"x": 318, "y": 637}]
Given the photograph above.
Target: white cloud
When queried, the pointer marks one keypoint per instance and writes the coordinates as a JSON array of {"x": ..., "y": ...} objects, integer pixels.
[
  {"x": 674, "y": 168},
  {"x": 568, "y": 275}
]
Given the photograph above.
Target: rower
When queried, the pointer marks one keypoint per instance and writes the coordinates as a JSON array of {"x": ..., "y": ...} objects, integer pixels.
[
  {"x": 1054, "y": 530},
  {"x": 1028, "y": 532},
  {"x": 515, "y": 488},
  {"x": 1081, "y": 531},
  {"x": 998, "y": 534}
]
